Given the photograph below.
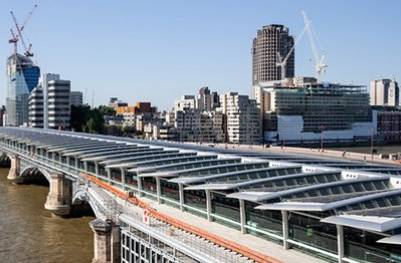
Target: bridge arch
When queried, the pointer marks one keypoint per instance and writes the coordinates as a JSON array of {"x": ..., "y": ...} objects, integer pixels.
[
  {"x": 81, "y": 195},
  {"x": 29, "y": 170}
]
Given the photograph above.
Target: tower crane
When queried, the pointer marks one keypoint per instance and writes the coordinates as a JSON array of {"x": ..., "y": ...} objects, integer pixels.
[
  {"x": 282, "y": 63},
  {"x": 320, "y": 64},
  {"x": 17, "y": 37}
]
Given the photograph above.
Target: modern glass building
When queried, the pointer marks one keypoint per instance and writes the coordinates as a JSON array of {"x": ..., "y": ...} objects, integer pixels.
[
  {"x": 22, "y": 78},
  {"x": 341, "y": 211}
]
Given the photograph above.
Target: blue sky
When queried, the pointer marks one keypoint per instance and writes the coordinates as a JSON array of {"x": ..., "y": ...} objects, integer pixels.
[{"x": 159, "y": 50}]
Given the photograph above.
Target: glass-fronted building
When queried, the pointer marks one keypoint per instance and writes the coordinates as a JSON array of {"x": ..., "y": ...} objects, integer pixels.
[{"x": 22, "y": 78}]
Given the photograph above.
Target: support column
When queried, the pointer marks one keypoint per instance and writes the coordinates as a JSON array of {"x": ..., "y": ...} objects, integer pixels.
[
  {"x": 115, "y": 243},
  {"x": 108, "y": 171},
  {"x": 340, "y": 243},
  {"x": 123, "y": 177},
  {"x": 101, "y": 241},
  {"x": 285, "y": 228},
  {"x": 14, "y": 171},
  {"x": 96, "y": 168},
  {"x": 242, "y": 215},
  {"x": 59, "y": 198},
  {"x": 158, "y": 189},
  {"x": 181, "y": 195},
  {"x": 208, "y": 206},
  {"x": 140, "y": 187}
]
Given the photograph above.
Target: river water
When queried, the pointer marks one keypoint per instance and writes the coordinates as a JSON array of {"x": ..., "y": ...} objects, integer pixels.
[{"x": 29, "y": 233}]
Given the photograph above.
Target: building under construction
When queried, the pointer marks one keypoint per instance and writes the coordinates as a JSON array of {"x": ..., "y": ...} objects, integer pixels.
[
  {"x": 22, "y": 78},
  {"x": 302, "y": 110}
]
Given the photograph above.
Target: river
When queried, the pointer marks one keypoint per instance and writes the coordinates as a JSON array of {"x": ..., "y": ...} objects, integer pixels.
[{"x": 29, "y": 233}]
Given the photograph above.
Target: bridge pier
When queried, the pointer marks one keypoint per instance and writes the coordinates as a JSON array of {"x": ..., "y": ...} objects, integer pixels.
[
  {"x": 106, "y": 241},
  {"x": 59, "y": 198},
  {"x": 15, "y": 168}
]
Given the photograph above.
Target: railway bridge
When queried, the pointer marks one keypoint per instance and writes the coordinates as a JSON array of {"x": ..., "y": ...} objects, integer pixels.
[{"x": 168, "y": 202}]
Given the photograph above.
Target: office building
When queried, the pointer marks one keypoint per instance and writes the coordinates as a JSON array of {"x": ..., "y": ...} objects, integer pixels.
[
  {"x": 49, "y": 103},
  {"x": 301, "y": 110},
  {"x": 59, "y": 109},
  {"x": 76, "y": 98},
  {"x": 36, "y": 108},
  {"x": 271, "y": 41},
  {"x": 215, "y": 100},
  {"x": 22, "y": 78},
  {"x": 185, "y": 102},
  {"x": 384, "y": 92},
  {"x": 242, "y": 118},
  {"x": 204, "y": 99}
]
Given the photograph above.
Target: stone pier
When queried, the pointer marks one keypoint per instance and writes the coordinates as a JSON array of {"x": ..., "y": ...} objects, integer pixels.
[
  {"x": 106, "y": 241},
  {"x": 59, "y": 198},
  {"x": 15, "y": 168}
]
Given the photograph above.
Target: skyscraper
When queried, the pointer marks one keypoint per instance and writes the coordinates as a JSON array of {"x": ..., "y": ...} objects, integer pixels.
[
  {"x": 22, "y": 78},
  {"x": 271, "y": 42}
]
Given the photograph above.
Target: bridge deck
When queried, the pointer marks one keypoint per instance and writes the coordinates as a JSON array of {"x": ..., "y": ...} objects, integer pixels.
[{"x": 257, "y": 244}]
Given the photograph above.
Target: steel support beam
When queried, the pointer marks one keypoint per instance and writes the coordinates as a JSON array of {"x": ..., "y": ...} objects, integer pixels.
[
  {"x": 242, "y": 215},
  {"x": 181, "y": 195},
  {"x": 340, "y": 243},
  {"x": 285, "y": 228},
  {"x": 208, "y": 205}
]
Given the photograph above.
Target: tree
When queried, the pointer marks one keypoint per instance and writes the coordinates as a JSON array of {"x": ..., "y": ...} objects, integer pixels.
[{"x": 85, "y": 119}]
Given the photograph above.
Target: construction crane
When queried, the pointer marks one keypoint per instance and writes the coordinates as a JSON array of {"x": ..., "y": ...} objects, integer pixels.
[
  {"x": 282, "y": 63},
  {"x": 320, "y": 64},
  {"x": 19, "y": 37}
]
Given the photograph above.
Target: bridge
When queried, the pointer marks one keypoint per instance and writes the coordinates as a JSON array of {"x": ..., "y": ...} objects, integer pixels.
[{"x": 169, "y": 202}]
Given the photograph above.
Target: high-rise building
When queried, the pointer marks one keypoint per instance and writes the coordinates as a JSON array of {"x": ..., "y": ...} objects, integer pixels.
[
  {"x": 384, "y": 92},
  {"x": 22, "y": 78},
  {"x": 76, "y": 98},
  {"x": 271, "y": 41},
  {"x": 59, "y": 109},
  {"x": 49, "y": 103},
  {"x": 243, "y": 118},
  {"x": 36, "y": 108},
  {"x": 204, "y": 99},
  {"x": 44, "y": 85}
]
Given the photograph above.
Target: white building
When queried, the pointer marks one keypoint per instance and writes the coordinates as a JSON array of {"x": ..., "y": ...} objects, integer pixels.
[
  {"x": 196, "y": 125},
  {"x": 243, "y": 118},
  {"x": 59, "y": 109},
  {"x": 185, "y": 102},
  {"x": 384, "y": 92},
  {"x": 49, "y": 103},
  {"x": 35, "y": 107}
]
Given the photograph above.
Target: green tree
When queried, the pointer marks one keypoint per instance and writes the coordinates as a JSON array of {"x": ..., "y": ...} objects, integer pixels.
[{"x": 85, "y": 119}]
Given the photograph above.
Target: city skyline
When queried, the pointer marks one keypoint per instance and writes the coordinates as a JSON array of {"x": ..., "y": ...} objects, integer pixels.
[{"x": 134, "y": 53}]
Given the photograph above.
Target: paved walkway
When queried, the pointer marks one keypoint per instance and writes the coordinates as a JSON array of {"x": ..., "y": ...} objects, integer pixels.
[{"x": 255, "y": 243}]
